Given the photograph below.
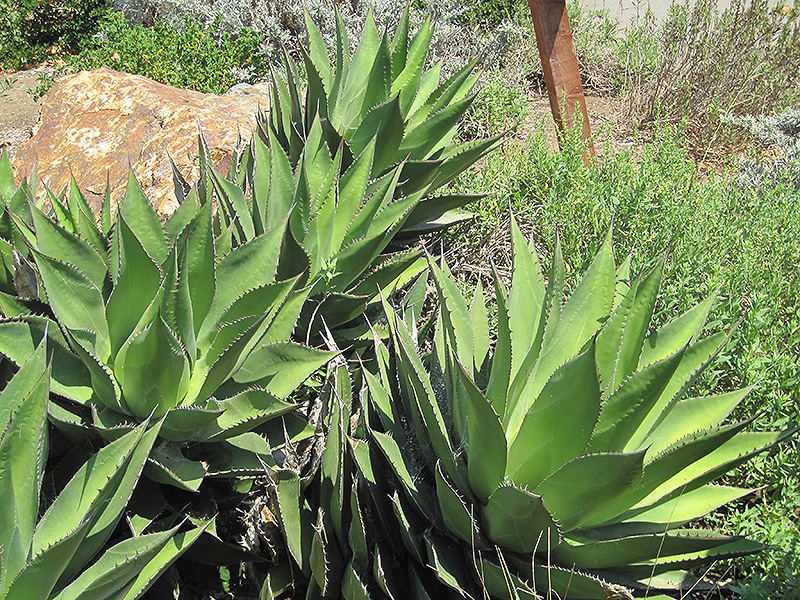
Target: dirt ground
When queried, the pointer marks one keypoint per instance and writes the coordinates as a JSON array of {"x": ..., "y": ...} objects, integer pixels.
[{"x": 19, "y": 114}]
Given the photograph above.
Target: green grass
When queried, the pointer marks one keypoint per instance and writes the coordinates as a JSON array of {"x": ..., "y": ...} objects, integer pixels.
[{"x": 735, "y": 241}]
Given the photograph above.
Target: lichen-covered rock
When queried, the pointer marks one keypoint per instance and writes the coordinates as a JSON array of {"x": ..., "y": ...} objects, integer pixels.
[{"x": 97, "y": 124}]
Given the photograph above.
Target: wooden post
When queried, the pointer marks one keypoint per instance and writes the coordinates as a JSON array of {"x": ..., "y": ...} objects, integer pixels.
[{"x": 560, "y": 67}]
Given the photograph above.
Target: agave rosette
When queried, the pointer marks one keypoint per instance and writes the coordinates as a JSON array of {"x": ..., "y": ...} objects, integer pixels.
[
  {"x": 566, "y": 457},
  {"x": 357, "y": 160},
  {"x": 150, "y": 320}
]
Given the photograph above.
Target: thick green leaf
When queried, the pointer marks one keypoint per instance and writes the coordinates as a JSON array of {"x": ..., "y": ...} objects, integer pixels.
[
  {"x": 184, "y": 422},
  {"x": 640, "y": 549},
  {"x": 382, "y": 124},
  {"x": 76, "y": 301},
  {"x": 456, "y": 513},
  {"x": 604, "y": 478},
  {"x": 197, "y": 275},
  {"x": 630, "y": 404},
  {"x": 167, "y": 464},
  {"x": 136, "y": 285},
  {"x": 627, "y": 336},
  {"x": 23, "y": 454},
  {"x": 680, "y": 331},
  {"x": 402, "y": 470},
  {"x": 97, "y": 494},
  {"x": 57, "y": 242},
  {"x": 245, "y": 268},
  {"x": 233, "y": 202},
  {"x": 421, "y": 140},
  {"x": 116, "y": 567},
  {"x": 143, "y": 220},
  {"x": 428, "y": 419},
  {"x": 146, "y": 577},
  {"x": 559, "y": 423},
  {"x": 687, "y": 507},
  {"x": 500, "y": 375},
  {"x": 524, "y": 300},
  {"x": 244, "y": 412},
  {"x": 7, "y": 184},
  {"x": 703, "y": 459},
  {"x": 39, "y": 576},
  {"x": 152, "y": 370},
  {"x": 456, "y": 317},
  {"x": 347, "y": 108},
  {"x": 486, "y": 452},
  {"x": 406, "y": 82},
  {"x": 500, "y": 582},
  {"x": 517, "y": 519},
  {"x": 248, "y": 454},
  {"x": 690, "y": 416},
  {"x": 694, "y": 360},
  {"x": 295, "y": 519}
]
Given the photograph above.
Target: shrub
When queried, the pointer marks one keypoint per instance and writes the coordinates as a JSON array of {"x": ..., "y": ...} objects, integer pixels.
[
  {"x": 778, "y": 133},
  {"x": 30, "y": 28},
  {"x": 741, "y": 60},
  {"x": 192, "y": 55}
]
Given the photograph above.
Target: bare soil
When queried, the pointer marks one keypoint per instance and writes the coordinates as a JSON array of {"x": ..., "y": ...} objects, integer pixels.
[{"x": 19, "y": 112}]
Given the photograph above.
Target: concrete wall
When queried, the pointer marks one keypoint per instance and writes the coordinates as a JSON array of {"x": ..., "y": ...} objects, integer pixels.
[{"x": 624, "y": 10}]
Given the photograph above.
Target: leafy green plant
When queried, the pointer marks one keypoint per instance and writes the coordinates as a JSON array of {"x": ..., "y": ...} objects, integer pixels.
[
  {"x": 568, "y": 458},
  {"x": 149, "y": 320},
  {"x": 490, "y": 13},
  {"x": 193, "y": 55},
  {"x": 49, "y": 556},
  {"x": 497, "y": 107},
  {"x": 30, "y": 28}
]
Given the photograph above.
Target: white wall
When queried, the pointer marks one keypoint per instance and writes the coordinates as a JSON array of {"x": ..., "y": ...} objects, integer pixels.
[{"x": 624, "y": 10}]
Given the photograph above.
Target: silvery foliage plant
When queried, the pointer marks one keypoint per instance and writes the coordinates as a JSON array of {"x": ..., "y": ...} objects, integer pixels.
[{"x": 781, "y": 131}]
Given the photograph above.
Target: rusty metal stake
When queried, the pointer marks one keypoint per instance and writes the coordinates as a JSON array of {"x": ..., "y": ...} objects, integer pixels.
[{"x": 560, "y": 67}]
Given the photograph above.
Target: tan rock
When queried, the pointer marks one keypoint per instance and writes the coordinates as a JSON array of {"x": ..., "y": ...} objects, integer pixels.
[{"x": 97, "y": 124}]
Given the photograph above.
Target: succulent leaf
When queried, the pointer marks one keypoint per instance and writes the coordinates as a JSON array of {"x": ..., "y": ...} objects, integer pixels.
[{"x": 517, "y": 519}]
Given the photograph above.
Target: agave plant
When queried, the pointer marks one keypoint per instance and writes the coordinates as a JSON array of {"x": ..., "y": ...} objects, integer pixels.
[
  {"x": 357, "y": 162},
  {"x": 148, "y": 320},
  {"x": 49, "y": 556},
  {"x": 566, "y": 457}
]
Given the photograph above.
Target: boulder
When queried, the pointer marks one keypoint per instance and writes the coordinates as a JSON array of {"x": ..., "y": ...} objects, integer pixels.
[{"x": 96, "y": 125}]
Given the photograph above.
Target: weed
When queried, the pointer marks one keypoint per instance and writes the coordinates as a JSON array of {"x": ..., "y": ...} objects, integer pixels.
[
  {"x": 7, "y": 83},
  {"x": 497, "y": 107}
]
